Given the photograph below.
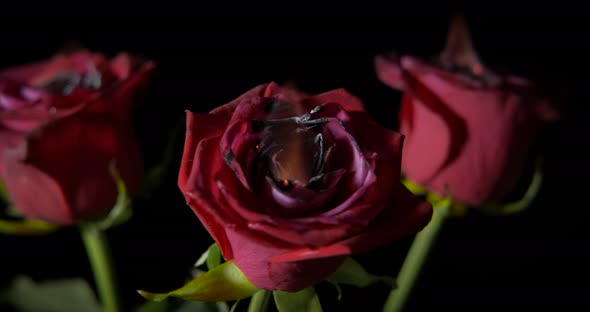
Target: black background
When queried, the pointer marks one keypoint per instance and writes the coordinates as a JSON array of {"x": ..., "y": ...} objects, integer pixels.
[{"x": 535, "y": 259}]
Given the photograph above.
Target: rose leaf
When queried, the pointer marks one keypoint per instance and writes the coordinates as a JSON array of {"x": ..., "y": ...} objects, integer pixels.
[
  {"x": 223, "y": 283},
  {"x": 65, "y": 295}
]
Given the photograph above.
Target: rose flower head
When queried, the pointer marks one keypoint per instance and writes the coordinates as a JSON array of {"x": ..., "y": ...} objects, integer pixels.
[
  {"x": 289, "y": 184},
  {"x": 469, "y": 129},
  {"x": 63, "y": 122}
]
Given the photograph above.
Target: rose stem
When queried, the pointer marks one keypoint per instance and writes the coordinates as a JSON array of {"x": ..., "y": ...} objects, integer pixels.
[
  {"x": 415, "y": 258},
  {"x": 259, "y": 301},
  {"x": 100, "y": 260}
]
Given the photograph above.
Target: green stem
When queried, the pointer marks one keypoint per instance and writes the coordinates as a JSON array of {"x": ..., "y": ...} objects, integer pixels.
[
  {"x": 259, "y": 301},
  {"x": 100, "y": 260},
  {"x": 415, "y": 259}
]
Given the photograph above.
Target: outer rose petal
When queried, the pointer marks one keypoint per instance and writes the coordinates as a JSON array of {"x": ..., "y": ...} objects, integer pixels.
[
  {"x": 349, "y": 102},
  {"x": 36, "y": 194},
  {"x": 389, "y": 71},
  {"x": 76, "y": 152},
  {"x": 229, "y": 108},
  {"x": 121, "y": 97},
  {"x": 392, "y": 224},
  {"x": 198, "y": 128},
  {"x": 203, "y": 197},
  {"x": 254, "y": 254}
]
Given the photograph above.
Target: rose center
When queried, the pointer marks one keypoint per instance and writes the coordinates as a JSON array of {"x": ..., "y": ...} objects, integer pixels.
[
  {"x": 471, "y": 72},
  {"x": 65, "y": 82},
  {"x": 293, "y": 148}
]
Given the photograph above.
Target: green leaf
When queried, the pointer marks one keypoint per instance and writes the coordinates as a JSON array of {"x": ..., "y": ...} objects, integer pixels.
[
  {"x": 67, "y": 295},
  {"x": 26, "y": 227},
  {"x": 303, "y": 300},
  {"x": 352, "y": 273},
  {"x": 121, "y": 211},
  {"x": 223, "y": 283}
]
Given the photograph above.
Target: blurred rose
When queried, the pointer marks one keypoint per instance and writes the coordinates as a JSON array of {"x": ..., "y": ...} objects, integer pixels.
[
  {"x": 62, "y": 122},
  {"x": 468, "y": 129},
  {"x": 288, "y": 184}
]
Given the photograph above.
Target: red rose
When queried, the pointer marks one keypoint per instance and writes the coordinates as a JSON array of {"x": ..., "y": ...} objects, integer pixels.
[
  {"x": 62, "y": 122},
  {"x": 288, "y": 184},
  {"x": 468, "y": 129}
]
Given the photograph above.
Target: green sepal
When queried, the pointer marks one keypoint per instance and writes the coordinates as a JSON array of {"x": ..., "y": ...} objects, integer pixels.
[
  {"x": 223, "y": 283},
  {"x": 3, "y": 192},
  {"x": 525, "y": 201},
  {"x": 352, "y": 273},
  {"x": 65, "y": 295},
  {"x": 26, "y": 227},
  {"x": 437, "y": 201},
  {"x": 414, "y": 188},
  {"x": 303, "y": 300},
  {"x": 121, "y": 211},
  {"x": 212, "y": 257},
  {"x": 260, "y": 300}
]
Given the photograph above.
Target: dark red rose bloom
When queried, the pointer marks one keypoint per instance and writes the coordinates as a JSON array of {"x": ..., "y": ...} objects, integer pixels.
[
  {"x": 62, "y": 122},
  {"x": 468, "y": 129},
  {"x": 288, "y": 184}
]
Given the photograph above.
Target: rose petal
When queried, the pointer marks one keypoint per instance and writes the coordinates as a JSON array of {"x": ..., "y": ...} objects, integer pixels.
[
  {"x": 254, "y": 256},
  {"x": 76, "y": 152},
  {"x": 201, "y": 193},
  {"x": 341, "y": 97},
  {"x": 198, "y": 127},
  {"x": 28, "y": 185},
  {"x": 405, "y": 215}
]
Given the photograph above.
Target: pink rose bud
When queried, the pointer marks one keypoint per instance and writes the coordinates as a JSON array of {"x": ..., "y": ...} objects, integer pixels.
[{"x": 468, "y": 129}]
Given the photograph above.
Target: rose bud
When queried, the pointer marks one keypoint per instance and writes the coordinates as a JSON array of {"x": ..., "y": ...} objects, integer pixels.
[
  {"x": 63, "y": 122},
  {"x": 288, "y": 184},
  {"x": 469, "y": 130}
]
